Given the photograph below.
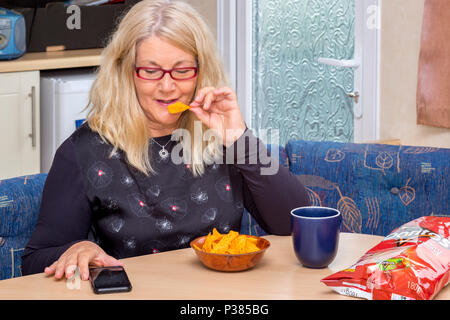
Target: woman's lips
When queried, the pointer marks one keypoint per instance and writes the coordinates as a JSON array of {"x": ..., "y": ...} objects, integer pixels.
[{"x": 166, "y": 103}]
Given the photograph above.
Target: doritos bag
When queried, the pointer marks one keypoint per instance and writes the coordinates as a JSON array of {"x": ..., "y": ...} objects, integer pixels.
[{"x": 411, "y": 263}]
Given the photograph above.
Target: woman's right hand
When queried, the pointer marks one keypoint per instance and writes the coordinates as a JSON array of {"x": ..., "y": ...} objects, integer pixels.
[{"x": 81, "y": 254}]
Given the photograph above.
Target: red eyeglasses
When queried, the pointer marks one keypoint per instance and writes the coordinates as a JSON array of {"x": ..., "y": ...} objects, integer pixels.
[{"x": 159, "y": 73}]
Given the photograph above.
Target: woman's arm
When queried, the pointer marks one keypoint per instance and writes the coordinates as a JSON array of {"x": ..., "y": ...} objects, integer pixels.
[
  {"x": 64, "y": 217},
  {"x": 271, "y": 191}
]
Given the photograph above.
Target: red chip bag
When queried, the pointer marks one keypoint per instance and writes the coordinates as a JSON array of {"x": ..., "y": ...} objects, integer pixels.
[{"x": 411, "y": 263}]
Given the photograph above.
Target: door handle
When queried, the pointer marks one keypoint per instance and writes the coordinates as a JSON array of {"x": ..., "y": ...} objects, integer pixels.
[
  {"x": 32, "y": 135},
  {"x": 355, "y": 63},
  {"x": 354, "y": 96},
  {"x": 358, "y": 112}
]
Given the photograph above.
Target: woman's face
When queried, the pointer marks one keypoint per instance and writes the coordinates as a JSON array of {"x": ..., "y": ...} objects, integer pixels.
[{"x": 156, "y": 95}]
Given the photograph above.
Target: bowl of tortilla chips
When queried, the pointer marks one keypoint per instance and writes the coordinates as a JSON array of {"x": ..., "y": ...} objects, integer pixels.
[{"x": 229, "y": 252}]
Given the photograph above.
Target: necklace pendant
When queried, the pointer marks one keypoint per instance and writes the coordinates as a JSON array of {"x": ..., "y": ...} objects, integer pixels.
[{"x": 164, "y": 154}]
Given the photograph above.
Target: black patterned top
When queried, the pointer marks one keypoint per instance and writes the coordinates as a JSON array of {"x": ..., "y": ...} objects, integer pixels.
[{"x": 92, "y": 195}]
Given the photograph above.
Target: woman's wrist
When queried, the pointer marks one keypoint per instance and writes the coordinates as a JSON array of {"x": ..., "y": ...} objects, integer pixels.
[{"x": 232, "y": 135}]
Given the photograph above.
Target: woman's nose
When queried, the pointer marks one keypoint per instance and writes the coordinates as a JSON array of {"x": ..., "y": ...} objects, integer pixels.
[{"x": 167, "y": 83}]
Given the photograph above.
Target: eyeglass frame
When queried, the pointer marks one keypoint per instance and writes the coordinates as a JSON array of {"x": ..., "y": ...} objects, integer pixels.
[{"x": 166, "y": 71}]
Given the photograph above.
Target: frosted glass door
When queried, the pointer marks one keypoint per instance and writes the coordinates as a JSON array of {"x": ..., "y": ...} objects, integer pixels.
[{"x": 292, "y": 92}]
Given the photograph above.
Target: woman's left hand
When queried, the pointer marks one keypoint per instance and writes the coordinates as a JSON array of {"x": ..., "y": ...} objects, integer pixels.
[{"x": 220, "y": 112}]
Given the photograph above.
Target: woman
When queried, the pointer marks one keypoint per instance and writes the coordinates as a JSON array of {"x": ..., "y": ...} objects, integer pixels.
[{"x": 114, "y": 189}]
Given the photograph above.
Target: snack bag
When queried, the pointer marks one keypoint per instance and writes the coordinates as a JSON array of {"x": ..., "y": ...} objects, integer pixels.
[{"x": 411, "y": 263}]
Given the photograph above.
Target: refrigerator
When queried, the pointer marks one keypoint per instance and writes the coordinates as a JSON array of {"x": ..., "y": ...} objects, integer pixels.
[{"x": 64, "y": 98}]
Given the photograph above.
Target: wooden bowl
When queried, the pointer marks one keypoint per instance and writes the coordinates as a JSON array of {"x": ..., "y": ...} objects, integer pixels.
[{"x": 230, "y": 262}]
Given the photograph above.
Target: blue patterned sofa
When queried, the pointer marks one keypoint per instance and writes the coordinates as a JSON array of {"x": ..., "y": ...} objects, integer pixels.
[
  {"x": 20, "y": 199},
  {"x": 376, "y": 187}
]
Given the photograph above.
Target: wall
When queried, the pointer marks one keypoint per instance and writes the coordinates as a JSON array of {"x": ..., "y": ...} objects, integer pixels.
[
  {"x": 401, "y": 26},
  {"x": 208, "y": 11}
]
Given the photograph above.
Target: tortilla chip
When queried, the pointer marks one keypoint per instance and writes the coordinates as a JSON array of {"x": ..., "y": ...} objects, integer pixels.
[
  {"x": 225, "y": 242},
  {"x": 177, "y": 107},
  {"x": 230, "y": 243},
  {"x": 250, "y": 247},
  {"x": 207, "y": 245},
  {"x": 238, "y": 245},
  {"x": 216, "y": 234}
]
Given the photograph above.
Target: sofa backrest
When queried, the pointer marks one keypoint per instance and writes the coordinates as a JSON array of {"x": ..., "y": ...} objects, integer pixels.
[
  {"x": 376, "y": 187},
  {"x": 20, "y": 199}
]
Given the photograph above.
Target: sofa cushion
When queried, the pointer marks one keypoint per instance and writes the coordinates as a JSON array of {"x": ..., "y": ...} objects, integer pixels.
[
  {"x": 20, "y": 200},
  {"x": 376, "y": 187}
]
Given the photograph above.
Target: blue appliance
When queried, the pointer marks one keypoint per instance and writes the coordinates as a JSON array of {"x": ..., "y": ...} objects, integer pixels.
[{"x": 12, "y": 34}]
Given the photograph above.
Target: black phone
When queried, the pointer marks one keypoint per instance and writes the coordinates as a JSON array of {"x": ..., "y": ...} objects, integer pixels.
[{"x": 109, "y": 279}]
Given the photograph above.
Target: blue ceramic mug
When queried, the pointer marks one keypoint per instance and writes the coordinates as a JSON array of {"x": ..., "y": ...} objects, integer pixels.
[{"x": 315, "y": 235}]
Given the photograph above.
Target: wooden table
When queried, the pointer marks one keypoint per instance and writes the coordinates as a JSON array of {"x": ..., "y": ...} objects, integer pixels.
[{"x": 179, "y": 274}]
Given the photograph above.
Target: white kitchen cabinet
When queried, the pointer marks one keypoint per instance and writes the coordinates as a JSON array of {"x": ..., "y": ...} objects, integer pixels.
[
  {"x": 19, "y": 124},
  {"x": 19, "y": 152}
]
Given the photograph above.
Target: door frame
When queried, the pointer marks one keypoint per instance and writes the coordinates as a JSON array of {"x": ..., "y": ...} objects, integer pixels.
[
  {"x": 235, "y": 38},
  {"x": 367, "y": 50}
]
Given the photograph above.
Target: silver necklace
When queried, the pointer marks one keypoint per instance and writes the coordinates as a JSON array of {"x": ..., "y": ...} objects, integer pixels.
[{"x": 163, "y": 153}]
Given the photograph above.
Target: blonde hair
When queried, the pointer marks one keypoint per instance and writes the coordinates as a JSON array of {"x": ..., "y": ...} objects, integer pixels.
[{"x": 115, "y": 112}]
